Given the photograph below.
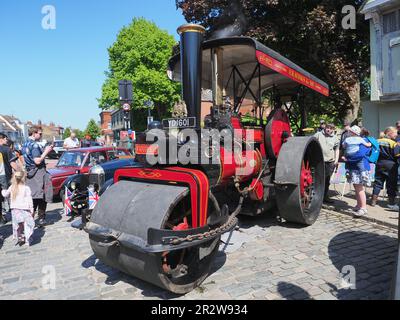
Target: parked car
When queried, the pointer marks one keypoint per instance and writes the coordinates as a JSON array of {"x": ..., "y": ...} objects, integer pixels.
[
  {"x": 80, "y": 161},
  {"x": 58, "y": 149},
  {"x": 99, "y": 179}
]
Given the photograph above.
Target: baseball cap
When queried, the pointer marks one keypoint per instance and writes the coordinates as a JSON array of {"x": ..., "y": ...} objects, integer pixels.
[{"x": 356, "y": 130}]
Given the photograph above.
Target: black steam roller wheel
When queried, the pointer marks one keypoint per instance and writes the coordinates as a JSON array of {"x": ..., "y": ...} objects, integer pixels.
[
  {"x": 299, "y": 179},
  {"x": 131, "y": 208}
]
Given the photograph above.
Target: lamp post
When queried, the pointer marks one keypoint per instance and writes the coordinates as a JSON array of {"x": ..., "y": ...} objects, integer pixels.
[{"x": 149, "y": 104}]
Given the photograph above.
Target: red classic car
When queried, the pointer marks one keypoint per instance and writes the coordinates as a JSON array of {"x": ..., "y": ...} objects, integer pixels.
[{"x": 82, "y": 160}]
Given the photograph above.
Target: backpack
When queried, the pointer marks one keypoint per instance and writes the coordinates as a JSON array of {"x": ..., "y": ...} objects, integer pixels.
[{"x": 373, "y": 157}]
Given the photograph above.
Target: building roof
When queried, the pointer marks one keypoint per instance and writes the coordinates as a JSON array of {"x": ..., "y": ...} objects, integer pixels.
[
  {"x": 9, "y": 123},
  {"x": 375, "y": 5}
]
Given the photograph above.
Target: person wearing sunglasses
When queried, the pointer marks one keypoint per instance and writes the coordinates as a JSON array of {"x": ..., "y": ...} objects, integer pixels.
[{"x": 38, "y": 179}]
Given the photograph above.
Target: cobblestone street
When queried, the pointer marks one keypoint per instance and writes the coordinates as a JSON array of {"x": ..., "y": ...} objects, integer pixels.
[{"x": 268, "y": 260}]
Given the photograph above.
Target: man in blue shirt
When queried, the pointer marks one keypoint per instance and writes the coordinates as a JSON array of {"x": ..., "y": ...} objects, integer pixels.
[{"x": 38, "y": 179}]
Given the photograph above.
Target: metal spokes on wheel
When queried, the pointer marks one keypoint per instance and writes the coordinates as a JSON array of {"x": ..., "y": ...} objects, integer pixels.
[
  {"x": 306, "y": 184},
  {"x": 300, "y": 180}
]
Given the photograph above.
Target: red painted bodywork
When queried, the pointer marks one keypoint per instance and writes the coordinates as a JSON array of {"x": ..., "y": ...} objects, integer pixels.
[
  {"x": 280, "y": 124},
  {"x": 196, "y": 180},
  {"x": 257, "y": 190},
  {"x": 60, "y": 174},
  {"x": 285, "y": 70}
]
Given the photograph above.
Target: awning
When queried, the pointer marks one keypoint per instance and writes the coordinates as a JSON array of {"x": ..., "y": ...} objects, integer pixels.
[{"x": 245, "y": 53}]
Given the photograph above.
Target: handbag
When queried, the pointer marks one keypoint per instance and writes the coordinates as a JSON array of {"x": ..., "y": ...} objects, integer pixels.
[{"x": 32, "y": 173}]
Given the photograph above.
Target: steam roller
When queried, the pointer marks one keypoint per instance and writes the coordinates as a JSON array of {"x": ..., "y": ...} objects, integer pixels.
[
  {"x": 162, "y": 221},
  {"x": 139, "y": 210}
]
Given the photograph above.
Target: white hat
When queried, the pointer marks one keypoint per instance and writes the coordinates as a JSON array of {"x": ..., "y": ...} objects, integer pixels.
[{"x": 356, "y": 130}]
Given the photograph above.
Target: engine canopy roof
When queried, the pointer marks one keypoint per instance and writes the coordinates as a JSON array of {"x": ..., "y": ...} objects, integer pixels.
[{"x": 245, "y": 53}]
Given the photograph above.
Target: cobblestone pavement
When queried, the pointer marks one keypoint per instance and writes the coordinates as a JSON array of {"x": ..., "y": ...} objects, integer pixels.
[{"x": 268, "y": 260}]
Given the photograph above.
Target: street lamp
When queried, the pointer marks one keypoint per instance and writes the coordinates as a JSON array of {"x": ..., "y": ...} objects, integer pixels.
[{"x": 149, "y": 104}]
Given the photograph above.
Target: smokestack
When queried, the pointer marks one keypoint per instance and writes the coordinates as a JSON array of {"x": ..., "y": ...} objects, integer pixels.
[{"x": 192, "y": 36}]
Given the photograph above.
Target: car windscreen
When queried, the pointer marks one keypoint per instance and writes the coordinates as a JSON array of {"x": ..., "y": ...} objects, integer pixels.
[
  {"x": 58, "y": 143},
  {"x": 71, "y": 159}
]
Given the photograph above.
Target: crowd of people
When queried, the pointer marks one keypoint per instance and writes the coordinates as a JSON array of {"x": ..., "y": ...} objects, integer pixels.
[
  {"x": 358, "y": 150},
  {"x": 25, "y": 185}
]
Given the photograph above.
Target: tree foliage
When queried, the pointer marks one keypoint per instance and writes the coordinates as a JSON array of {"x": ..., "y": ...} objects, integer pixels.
[
  {"x": 308, "y": 32},
  {"x": 140, "y": 54},
  {"x": 67, "y": 133},
  {"x": 93, "y": 130}
]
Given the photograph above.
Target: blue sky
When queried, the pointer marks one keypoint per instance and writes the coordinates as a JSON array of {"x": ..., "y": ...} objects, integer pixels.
[{"x": 56, "y": 75}]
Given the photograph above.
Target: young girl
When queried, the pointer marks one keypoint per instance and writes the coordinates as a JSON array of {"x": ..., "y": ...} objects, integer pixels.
[{"x": 21, "y": 205}]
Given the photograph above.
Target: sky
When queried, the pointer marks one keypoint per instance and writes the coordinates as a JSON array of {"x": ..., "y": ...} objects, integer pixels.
[{"x": 56, "y": 75}]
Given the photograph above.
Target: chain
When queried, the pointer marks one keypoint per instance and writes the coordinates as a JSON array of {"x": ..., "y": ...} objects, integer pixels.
[{"x": 232, "y": 221}]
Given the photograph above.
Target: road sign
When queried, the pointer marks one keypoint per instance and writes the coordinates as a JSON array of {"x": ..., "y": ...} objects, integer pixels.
[{"x": 125, "y": 91}]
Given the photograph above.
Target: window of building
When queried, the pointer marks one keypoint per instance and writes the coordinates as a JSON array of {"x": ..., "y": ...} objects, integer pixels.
[{"x": 391, "y": 22}]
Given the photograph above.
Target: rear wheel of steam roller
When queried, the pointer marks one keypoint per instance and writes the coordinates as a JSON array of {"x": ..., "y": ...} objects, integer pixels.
[
  {"x": 299, "y": 177},
  {"x": 134, "y": 207}
]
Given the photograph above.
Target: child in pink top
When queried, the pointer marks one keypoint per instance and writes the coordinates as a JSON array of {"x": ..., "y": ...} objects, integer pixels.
[{"x": 21, "y": 205}]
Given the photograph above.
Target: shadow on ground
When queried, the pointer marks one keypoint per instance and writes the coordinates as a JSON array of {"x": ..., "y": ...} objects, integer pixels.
[
  {"x": 148, "y": 290},
  {"x": 291, "y": 291},
  {"x": 265, "y": 220},
  {"x": 365, "y": 260}
]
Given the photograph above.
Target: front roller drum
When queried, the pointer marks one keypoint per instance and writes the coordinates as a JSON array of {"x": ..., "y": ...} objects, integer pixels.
[
  {"x": 132, "y": 208},
  {"x": 300, "y": 180}
]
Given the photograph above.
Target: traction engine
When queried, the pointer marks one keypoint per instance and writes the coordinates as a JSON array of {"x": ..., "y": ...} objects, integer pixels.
[{"x": 162, "y": 222}]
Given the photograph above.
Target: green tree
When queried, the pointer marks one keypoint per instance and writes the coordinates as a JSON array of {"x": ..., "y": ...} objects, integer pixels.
[
  {"x": 67, "y": 133},
  {"x": 140, "y": 54},
  {"x": 79, "y": 134},
  {"x": 92, "y": 129},
  {"x": 309, "y": 32}
]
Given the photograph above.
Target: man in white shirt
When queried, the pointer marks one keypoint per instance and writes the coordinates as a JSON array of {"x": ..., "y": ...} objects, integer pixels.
[{"x": 71, "y": 142}]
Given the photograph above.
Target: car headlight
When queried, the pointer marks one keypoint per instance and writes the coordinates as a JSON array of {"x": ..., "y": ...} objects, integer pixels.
[
  {"x": 73, "y": 185},
  {"x": 97, "y": 170},
  {"x": 97, "y": 176}
]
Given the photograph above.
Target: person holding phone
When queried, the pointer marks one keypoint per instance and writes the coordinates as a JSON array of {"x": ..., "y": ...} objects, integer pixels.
[{"x": 38, "y": 179}]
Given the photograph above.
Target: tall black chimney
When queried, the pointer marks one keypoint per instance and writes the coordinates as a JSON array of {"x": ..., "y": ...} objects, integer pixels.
[{"x": 191, "y": 66}]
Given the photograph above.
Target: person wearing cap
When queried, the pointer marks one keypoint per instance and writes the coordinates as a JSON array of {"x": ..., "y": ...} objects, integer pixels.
[
  {"x": 356, "y": 151},
  {"x": 387, "y": 168},
  {"x": 321, "y": 126},
  {"x": 330, "y": 148},
  {"x": 353, "y": 151}
]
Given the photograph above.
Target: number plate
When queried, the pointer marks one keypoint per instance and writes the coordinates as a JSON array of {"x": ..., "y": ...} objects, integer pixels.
[
  {"x": 145, "y": 149},
  {"x": 179, "y": 123}
]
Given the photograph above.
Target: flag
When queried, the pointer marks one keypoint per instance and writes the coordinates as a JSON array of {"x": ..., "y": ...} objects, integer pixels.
[
  {"x": 93, "y": 198},
  {"x": 67, "y": 202}
]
